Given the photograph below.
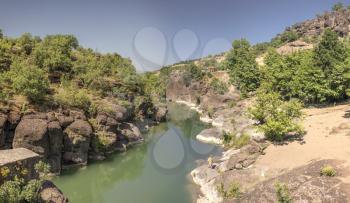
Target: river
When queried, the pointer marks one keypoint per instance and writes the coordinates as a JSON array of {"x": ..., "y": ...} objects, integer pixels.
[{"x": 154, "y": 172}]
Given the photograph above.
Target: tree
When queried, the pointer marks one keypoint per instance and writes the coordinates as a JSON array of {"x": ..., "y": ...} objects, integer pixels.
[
  {"x": 338, "y": 6},
  {"x": 29, "y": 81},
  {"x": 244, "y": 70},
  {"x": 54, "y": 53},
  {"x": 1, "y": 34},
  {"x": 332, "y": 56},
  {"x": 329, "y": 51},
  {"x": 277, "y": 118}
]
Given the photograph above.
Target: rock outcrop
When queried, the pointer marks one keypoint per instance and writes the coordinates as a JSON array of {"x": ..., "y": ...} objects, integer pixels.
[
  {"x": 335, "y": 20},
  {"x": 77, "y": 138}
]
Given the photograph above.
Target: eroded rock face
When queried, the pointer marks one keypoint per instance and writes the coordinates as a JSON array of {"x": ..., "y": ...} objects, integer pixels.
[
  {"x": 336, "y": 20},
  {"x": 77, "y": 138},
  {"x": 48, "y": 192}
]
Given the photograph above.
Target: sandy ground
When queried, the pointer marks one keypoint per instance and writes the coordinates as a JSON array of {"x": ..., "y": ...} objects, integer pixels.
[{"x": 327, "y": 137}]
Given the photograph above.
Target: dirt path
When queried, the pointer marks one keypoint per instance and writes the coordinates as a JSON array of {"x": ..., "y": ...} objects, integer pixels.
[{"x": 327, "y": 137}]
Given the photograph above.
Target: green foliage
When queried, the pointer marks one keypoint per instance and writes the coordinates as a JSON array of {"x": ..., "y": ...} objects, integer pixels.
[
  {"x": 232, "y": 192},
  {"x": 55, "y": 52},
  {"x": 218, "y": 86},
  {"x": 10, "y": 192},
  {"x": 42, "y": 168},
  {"x": 28, "y": 80},
  {"x": 329, "y": 52},
  {"x": 277, "y": 118},
  {"x": 312, "y": 76},
  {"x": 289, "y": 36},
  {"x": 70, "y": 96},
  {"x": 243, "y": 69},
  {"x": 154, "y": 85},
  {"x": 338, "y": 6},
  {"x": 328, "y": 171},
  {"x": 29, "y": 191},
  {"x": 5, "y": 55},
  {"x": 282, "y": 193}
]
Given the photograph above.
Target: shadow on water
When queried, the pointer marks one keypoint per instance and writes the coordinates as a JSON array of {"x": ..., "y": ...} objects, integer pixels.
[{"x": 154, "y": 172}]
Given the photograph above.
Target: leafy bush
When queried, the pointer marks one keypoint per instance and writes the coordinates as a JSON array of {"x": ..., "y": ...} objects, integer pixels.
[
  {"x": 338, "y": 6},
  {"x": 30, "y": 191},
  {"x": 218, "y": 86},
  {"x": 328, "y": 171},
  {"x": 55, "y": 52},
  {"x": 29, "y": 81},
  {"x": 276, "y": 118},
  {"x": 72, "y": 97},
  {"x": 10, "y": 191},
  {"x": 282, "y": 193},
  {"x": 232, "y": 192}
]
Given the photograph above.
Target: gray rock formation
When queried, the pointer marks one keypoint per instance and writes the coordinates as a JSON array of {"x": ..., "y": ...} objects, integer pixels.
[{"x": 77, "y": 138}]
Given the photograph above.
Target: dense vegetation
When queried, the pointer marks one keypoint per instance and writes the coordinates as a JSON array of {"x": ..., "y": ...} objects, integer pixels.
[
  {"x": 16, "y": 188},
  {"x": 320, "y": 75},
  {"x": 57, "y": 72}
]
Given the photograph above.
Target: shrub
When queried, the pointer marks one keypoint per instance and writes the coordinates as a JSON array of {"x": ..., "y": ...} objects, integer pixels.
[
  {"x": 72, "y": 97},
  {"x": 10, "y": 191},
  {"x": 42, "y": 168},
  {"x": 328, "y": 171},
  {"x": 338, "y": 6},
  {"x": 276, "y": 118},
  {"x": 232, "y": 140},
  {"x": 282, "y": 193},
  {"x": 218, "y": 86},
  {"x": 30, "y": 191},
  {"x": 29, "y": 81},
  {"x": 232, "y": 192}
]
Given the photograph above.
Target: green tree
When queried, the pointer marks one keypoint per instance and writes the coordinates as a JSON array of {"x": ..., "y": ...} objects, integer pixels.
[
  {"x": 244, "y": 70},
  {"x": 338, "y": 6},
  {"x": 329, "y": 51},
  {"x": 29, "y": 81},
  {"x": 54, "y": 53},
  {"x": 277, "y": 118}
]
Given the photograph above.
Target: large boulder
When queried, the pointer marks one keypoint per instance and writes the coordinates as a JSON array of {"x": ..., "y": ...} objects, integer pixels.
[
  {"x": 32, "y": 134},
  {"x": 77, "y": 138},
  {"x": 48, "y": 192}
]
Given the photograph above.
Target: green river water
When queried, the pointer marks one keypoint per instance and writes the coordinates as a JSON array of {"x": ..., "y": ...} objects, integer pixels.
[{"x": 154, "y": 172}]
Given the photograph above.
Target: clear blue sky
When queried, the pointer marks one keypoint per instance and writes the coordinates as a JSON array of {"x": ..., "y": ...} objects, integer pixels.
[{"x": 135, "y": 28}]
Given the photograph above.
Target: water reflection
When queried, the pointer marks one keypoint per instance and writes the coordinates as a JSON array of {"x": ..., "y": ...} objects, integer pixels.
[{"x": 154, "y": 172}]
